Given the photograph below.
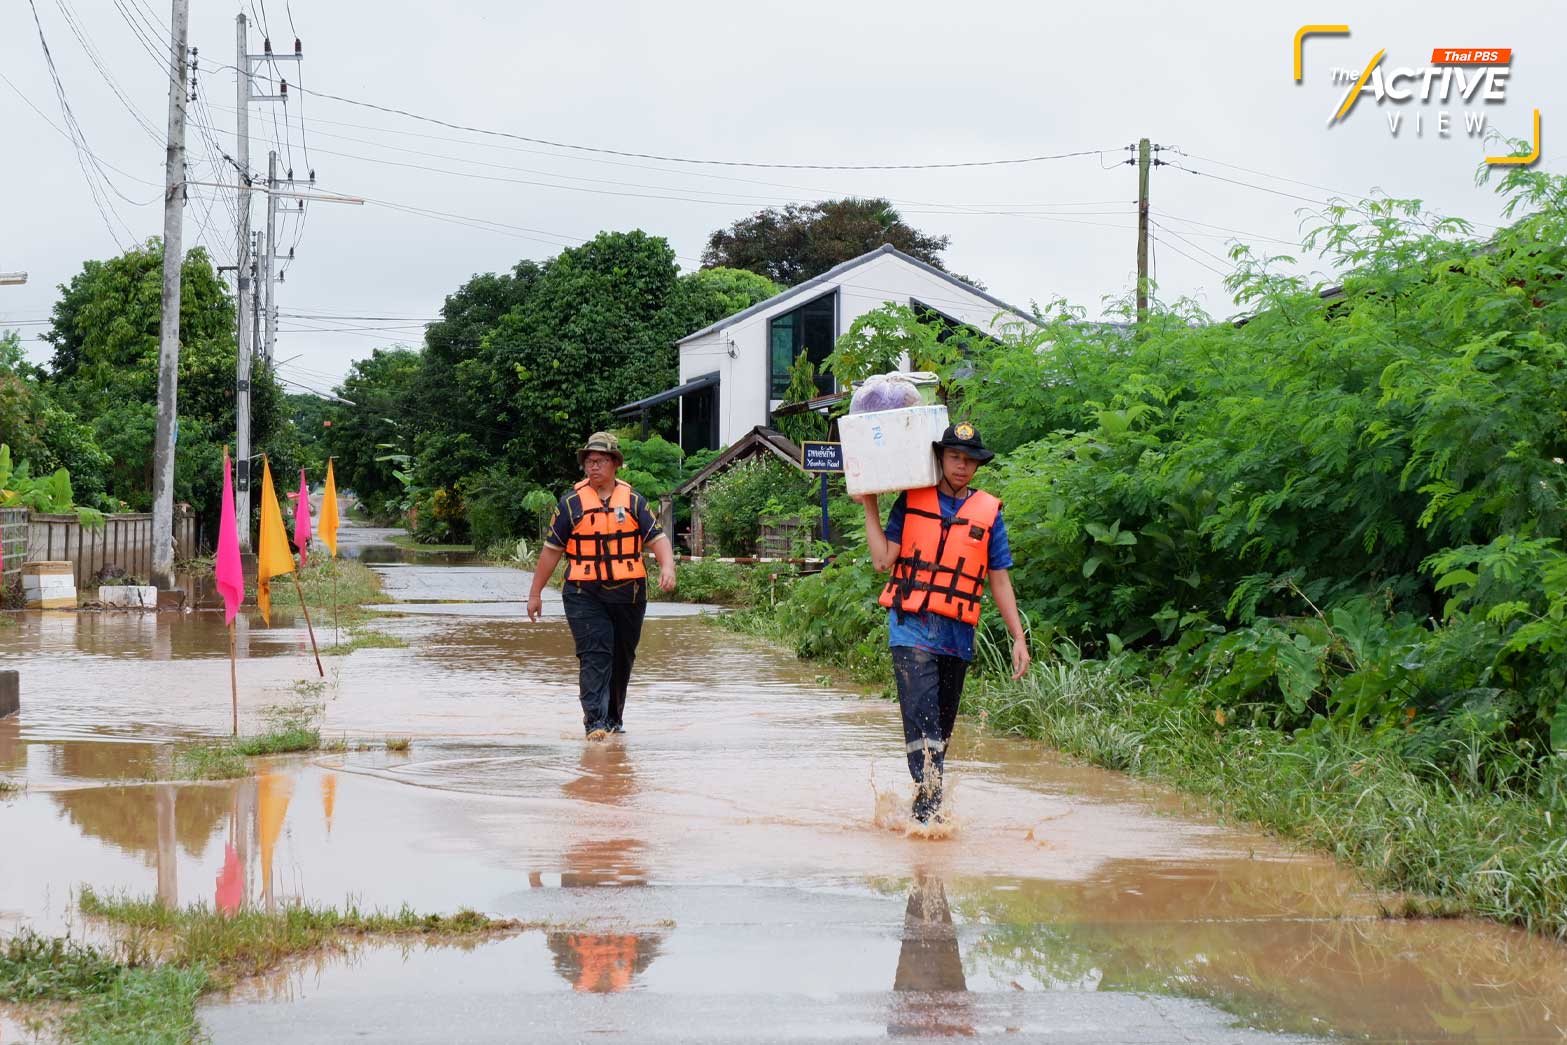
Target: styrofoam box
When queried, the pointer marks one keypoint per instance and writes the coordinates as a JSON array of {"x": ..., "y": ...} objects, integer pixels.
[{"x": 890, "y": 450}]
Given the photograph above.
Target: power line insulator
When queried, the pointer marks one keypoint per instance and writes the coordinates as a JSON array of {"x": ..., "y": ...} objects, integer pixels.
[
  {"x": 283, "y": 88},
  {"x": 266, "y": 45},
  {"x": 297, "y": 48}
]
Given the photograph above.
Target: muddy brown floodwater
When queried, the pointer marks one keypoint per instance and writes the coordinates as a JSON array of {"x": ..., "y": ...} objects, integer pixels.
[{"x": 720, "y": 873}]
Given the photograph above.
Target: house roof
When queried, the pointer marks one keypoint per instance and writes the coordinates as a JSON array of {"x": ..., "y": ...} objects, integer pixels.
[
  {"x": 833, "y": 273},
  {"x": 758, "y": 440},
  {"x": 696, "y": 384}
]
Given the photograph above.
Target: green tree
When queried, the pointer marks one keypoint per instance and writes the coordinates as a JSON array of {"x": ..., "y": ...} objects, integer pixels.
[
  {"x": 791, "y": 245},
  {"x": 379, "y": 426},
  {"x": 597, "y": 330},
  {"x": 104, "y": 333}
]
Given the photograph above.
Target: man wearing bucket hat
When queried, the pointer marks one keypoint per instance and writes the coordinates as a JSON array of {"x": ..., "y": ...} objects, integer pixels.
[
  {"x": 942, "y": 543},
  {"x": 601, "y": 528}
]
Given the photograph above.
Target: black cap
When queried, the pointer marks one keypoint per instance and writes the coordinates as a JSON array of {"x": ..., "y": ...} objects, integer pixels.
[{"x": 964, "y": 438}]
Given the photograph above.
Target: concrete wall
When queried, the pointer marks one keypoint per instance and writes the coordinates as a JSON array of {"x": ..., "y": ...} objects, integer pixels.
[{"x": 743, "y": 398}]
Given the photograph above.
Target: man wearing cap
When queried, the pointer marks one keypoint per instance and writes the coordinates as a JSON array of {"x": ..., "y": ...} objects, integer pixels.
[
  {"x": 601, "y": 528},
  {"x": 942, "y": 543}
]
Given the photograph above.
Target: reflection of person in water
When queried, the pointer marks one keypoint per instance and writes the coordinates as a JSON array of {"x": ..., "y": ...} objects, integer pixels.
[
  {"x": 930, "y": 999},
  {"x": 602, "y": 963}
]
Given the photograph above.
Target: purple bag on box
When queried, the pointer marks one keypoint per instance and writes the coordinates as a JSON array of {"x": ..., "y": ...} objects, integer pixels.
[{"x": 884, "y": 392}]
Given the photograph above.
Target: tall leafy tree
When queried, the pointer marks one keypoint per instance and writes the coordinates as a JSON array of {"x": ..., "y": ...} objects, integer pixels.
[
  {"x": 804, "y": 240},
  {"x": 369, "y": 437},
  {"x": 104, "y": 370}
]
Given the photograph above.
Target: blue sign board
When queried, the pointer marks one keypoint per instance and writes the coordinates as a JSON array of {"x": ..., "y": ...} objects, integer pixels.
[{"x": 821, "y": 457}]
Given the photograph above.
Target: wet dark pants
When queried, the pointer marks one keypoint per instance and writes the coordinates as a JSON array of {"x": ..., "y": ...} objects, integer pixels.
[
  {"x": 606, "y": 635},
  {"x": 930, "y": 685}
]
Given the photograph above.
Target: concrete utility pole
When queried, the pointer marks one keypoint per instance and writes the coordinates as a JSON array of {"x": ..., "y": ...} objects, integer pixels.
[
  {"x": 249, "y": 338},
  {"x": 269, "y": 259},
  {"x": 169, "y": 324},
  {"x": 243, "y": 296},
  {"x": 1143, "y": 156}
]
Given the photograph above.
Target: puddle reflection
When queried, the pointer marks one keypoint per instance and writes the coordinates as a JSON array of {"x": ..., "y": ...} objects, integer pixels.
[
  {"x": 602, "y": 963},
  {"x": 930, "y": 990}
]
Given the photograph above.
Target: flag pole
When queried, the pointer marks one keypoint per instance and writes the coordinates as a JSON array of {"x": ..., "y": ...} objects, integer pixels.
[
  {"x": 233, "y": 679},
  {"x": 308, "y": 627}
]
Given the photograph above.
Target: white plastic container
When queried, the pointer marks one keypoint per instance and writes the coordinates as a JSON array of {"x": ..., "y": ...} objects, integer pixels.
[
  {"x": 49, "y": 585},
  {"x": 890, "y": 450}
]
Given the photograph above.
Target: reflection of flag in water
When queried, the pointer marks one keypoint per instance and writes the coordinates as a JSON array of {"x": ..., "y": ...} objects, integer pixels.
[
  {"x": 328, "y": 797},
  {"x": 272, "y": 794},
  {"x": 231, "y": 882}
]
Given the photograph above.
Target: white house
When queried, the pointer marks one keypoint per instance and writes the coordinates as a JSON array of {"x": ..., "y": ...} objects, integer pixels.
[{"x": 733, "y": 373}]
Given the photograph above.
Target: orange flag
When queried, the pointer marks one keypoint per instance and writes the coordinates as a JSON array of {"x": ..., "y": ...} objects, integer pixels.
[
  {"x": 326, "y": 529},
  {"x": 273, "y": 557}
]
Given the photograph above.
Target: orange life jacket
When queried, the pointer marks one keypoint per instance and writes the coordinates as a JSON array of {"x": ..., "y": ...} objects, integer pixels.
[
  {"x": 607, "y": 963},
  {"x": 942, "y": 564},
  {"x": 606, "y": 543}
]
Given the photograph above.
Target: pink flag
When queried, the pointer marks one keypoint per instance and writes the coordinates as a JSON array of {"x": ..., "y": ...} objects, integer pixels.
[
  {"x": 302, "y": 519},
  {"x": 231, "y": 578}
]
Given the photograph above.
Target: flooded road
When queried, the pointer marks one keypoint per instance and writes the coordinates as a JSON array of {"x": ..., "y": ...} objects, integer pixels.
[{"x": 720, "y": 873}]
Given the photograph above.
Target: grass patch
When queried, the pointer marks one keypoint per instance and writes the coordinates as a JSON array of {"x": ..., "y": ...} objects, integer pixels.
[
  {"x": 155, "y": 1004},
  {"x": 177, "y": 955},
  {"x": 210, "y": 762},
  {"x": 357, "y": 585},
  {"x": 367, "y": 638},
  {"x": 280, "y": 742},
  {"x": 1456, "y": 847},
  {"x": 252, "y": 941},
  {"x": 291, "y": 728},
  {"x": 398, "y": 743}
]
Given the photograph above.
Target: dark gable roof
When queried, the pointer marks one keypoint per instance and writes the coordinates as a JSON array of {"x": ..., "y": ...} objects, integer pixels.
[
  {"x": 838, "y": 270},
  {"x": 758, "y": 440}
]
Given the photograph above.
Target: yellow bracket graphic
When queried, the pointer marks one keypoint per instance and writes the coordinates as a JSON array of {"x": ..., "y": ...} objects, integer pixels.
[
  {"x": 1312, "y": 30},
  {"x": 1522, "y": 161}
]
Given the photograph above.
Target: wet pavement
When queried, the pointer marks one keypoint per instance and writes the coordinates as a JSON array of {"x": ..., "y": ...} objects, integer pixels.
[{"x": 734, "y": 869}]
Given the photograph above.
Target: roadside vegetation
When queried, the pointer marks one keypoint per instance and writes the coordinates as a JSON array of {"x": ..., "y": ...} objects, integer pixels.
[
  {"x": 363, "y": 638},
  {"x": 292, "y": 728},
  {"x": 356, "y": 585},
  {"x": 1308, "y": 565},
  {"x": 146, "y": 989}
]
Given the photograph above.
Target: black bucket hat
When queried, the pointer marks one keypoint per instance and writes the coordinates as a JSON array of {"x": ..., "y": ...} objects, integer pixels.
[{"x": 964, "y": 438}]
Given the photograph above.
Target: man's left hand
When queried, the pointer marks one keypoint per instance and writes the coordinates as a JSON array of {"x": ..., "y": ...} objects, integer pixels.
[
  {"x": 666, "y": 578},
  {"x": 1020, "y": 657}
]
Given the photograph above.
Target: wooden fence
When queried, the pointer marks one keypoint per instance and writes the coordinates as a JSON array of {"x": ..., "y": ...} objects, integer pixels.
[{"x": 124, "y": 541}]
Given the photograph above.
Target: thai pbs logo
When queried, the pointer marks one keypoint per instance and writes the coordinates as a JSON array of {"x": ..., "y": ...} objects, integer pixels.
[{"x": 1427, "y": 99}]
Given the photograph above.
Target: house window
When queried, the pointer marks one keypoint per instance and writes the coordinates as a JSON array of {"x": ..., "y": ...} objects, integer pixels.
[{"x": 812, "y": 329}]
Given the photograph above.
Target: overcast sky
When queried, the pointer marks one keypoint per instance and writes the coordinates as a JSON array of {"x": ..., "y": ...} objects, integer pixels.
[{"x": 807, "y": 83}]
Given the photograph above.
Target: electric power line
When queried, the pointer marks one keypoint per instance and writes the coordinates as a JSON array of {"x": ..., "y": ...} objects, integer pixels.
[{"x": 706, "y": 162}]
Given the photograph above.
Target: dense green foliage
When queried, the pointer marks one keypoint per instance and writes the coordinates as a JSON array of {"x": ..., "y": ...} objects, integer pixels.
[
  {"x": 537, "y": 359},
  {"x": 791, "y": 245}
]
